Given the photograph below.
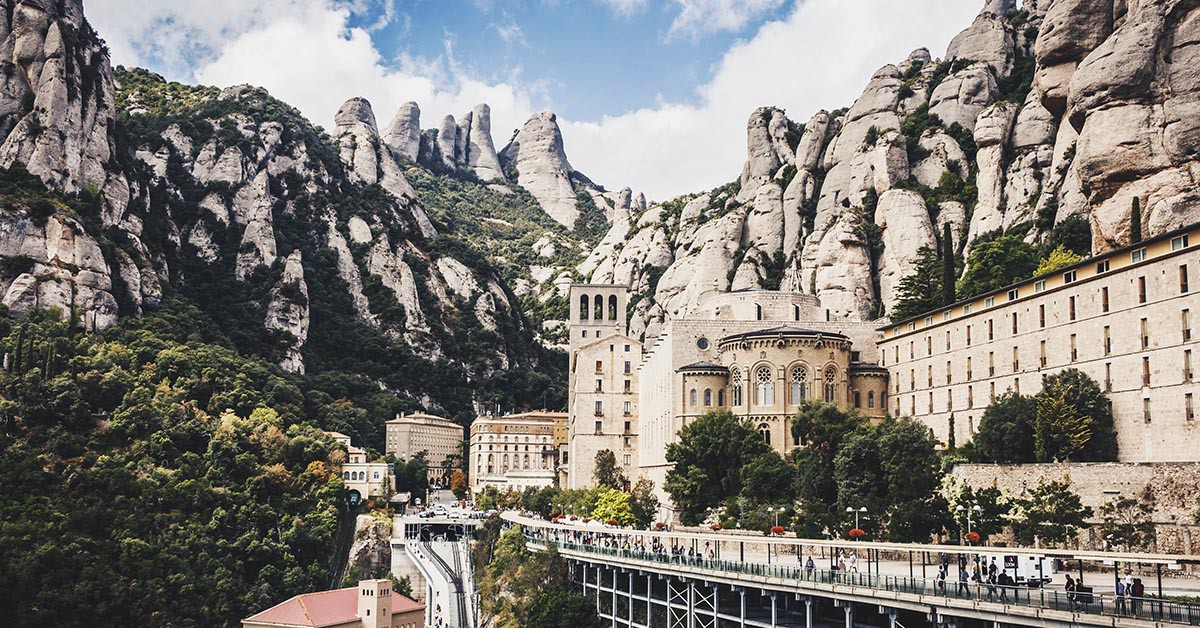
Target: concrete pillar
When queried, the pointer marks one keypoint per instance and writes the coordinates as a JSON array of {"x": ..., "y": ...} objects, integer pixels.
[
  {"x": 649, "y": 597},
  {"x": 614, "y": 598},
  {"x": 716, "y": 604},
  {"x": 848, "y": 609},
  {"x": 691, "y": 605},
  {"x": 631, "y": 599},
  {"x": 808, "y": 612},
  {"x": 742, "y": 613},
  {"x": 775, "y": 612}
]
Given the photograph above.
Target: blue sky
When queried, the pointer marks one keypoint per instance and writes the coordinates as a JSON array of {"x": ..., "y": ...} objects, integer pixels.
[{"x": 651, "y": 94}]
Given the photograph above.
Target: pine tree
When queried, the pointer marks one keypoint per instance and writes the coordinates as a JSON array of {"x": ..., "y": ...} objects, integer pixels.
[
  {"x": 1135, "y": 221},
  {"x": 947, "y": 265}
]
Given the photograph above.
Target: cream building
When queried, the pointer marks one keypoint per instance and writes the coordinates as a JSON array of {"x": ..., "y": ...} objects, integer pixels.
[
  {"x": 441, "y": 439},
  {"x": 370, "y": 479},
  {"x": 758, "y": 354},
  {"x": 1125, "y": 318},
  {"x": 602, "y": 385},
  {"x": 516, "y": 451}
]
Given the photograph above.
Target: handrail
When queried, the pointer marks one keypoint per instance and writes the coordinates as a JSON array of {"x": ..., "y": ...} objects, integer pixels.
[
  {"x": 1082, "y": 602},
  {"x": 1087, "y": 555}
]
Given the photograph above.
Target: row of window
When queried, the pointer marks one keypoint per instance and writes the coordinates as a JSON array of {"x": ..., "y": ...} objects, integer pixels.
[
  {"x": 357, "y": 476},
  {"x": 627, "y": 389},
  {"x": 1189, "y": 408},
  {"x": 627, "y": 408},
  {"x": 1103, "y": 266},
  {"x": 593, "y": 309},
  {"x": 1073, "y": 356},
  {"x": 1014, "y": 320}
]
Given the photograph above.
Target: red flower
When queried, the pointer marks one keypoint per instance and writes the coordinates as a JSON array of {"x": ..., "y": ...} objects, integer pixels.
[
  {"x": 857, "y": 533},
  {"x": 715, "y": 526},
  {"x": 973, "y": 536},
  {"x": 777, "y": 530}
]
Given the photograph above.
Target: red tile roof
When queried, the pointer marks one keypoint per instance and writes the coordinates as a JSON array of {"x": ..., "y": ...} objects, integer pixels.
[{"x": 326, "y": 608}]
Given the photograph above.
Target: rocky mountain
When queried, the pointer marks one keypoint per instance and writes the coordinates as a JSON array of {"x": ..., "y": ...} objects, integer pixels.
[
  {"x": 313, "y": 250},
  {"x": 1046, "y": 120}
]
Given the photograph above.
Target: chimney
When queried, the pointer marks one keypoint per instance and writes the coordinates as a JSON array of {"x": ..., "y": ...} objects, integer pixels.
[{"x": 375, "y": 603}]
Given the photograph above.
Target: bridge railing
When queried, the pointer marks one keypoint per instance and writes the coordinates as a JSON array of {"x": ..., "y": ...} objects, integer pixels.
[{"x": 1083, "y": 602}]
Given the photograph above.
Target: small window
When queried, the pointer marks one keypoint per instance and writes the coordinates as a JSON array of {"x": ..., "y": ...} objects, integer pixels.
[
  {"x": 1013, "y": 294},
  {"x": 599, "y": 426},
  {"x": 1101, "y": 267},
  {"x": 989, "y": 302},
  {"x": 1183, "y": 279},
  {"x": 702, "y": 344},
  {"x": 1146, "y": 409},
  {"x": 1069, "y": 276},
  {"x": 1137, "y": 256},
  {"x": 1041, "y": 316},
  {"x": 967, "y": 309},
  {"x": 1040, "y": 286},
  {"x": 928, "y": 321},
  {"x": 1071, "y": 307},
  {"x": 1141, "y": 281},
  {"x": 1179, "y": 242},
  {"x": 707, "y": 398},
  {"x": 946, "y": 315},
  {"x": 1189, "y": 411},
  {"x": 1104, "y": 299},
  {"x": 911, "y": 325},
  {"x": 1145, "y": 370}
]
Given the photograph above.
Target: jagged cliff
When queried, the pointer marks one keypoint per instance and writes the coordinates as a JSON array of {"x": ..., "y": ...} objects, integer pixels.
[{"x": 1036, "y": 114}]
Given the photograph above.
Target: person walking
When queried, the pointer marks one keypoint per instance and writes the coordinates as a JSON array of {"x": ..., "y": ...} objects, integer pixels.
[
  {"x": 1120, "y": 591},
  {"x": 963, "y": 587},
  {"x": 809, "y": 568},
  {"x": 940, "y": 584},
  {"x": 1070, "y": 588},
  {"x": 1137, "y": 592}
]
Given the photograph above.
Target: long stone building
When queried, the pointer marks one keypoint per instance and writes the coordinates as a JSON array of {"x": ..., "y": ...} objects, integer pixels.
[{"x": 1124, "y": 317}]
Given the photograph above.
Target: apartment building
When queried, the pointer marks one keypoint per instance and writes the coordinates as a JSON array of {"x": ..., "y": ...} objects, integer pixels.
[
  {"x": 441, "y": 439},
  {"x": 516, "y": 451}
]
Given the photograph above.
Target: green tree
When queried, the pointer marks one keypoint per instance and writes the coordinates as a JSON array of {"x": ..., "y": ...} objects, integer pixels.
[
  {"x": 1127, "y": 522},
  {"x": 412, "y": 475},
  {"x": 707, "y": 460},
  {"x": 1073, "y": 419},
  {"x": 607, "y": 474},
  {"x": 824, "y": 427},
  {"x": 1058, "y": 258},
  {"x": 562, "y": 608},
  {"x": 614, "y": 505},
  {"x": 990, "y": 518},
  {"x": 643, "y": 502},
  {"x": 996, "y": 262},
  {"x": 1051, "y": 512},
  {"x": 1005, "y": 433},
  {"x": 920, "y": 291},
  {"x": 768, "y": 478},
  {"x": 948, "y": 266}
]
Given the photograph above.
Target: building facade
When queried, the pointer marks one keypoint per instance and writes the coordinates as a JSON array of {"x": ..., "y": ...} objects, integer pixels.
[
  {"x": 441, "y": 439},
  {"x": 758, "y": 354},
  {"x": 602, "y": 389},
  {"x": 369, "y": 479},
  {"x": 1125, "y": 318},
  {"x": 516, "y": 451},
  {"x": 372, "y": 604}
]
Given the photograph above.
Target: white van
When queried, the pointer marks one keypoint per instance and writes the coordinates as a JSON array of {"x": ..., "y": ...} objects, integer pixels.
[{"x": 1024, "y": 568}]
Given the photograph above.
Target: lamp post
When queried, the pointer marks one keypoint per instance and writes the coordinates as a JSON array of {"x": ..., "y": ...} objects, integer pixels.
[
  {"x": 777, "y": 512},
  {"x": 973, "y": 509},
  {"x": 862, "y": 510}
]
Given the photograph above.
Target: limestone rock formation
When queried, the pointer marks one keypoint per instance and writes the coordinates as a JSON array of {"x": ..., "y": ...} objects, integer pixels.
[
  {"x": 363, "y": 151},
  {"x": 288, "y": 309},
  {"x": 542, "y": 167},
  {"x": 403, "y": 134}
]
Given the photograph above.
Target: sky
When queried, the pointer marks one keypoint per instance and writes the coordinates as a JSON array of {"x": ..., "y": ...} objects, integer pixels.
[{"x": 650, "y": 94}]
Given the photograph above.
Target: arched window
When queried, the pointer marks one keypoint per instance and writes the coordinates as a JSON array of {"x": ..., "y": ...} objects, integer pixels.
[
  {"x": 870, "y": 399},
  {"x": 612, "y": 307},
  {"x": 735, "y": 380},
  {"x": 857, "y": 399},
  {"x": 707, "y": 398},
  {"x": 763, "y": 387},
  {"x": 830, "y": 385},
  {"x": 583, "y": 307},
  {"x": 598, "y": 308},
  {"x": 504, "y": 464},
  {"x": 692, "y": 397},
  {"x": 765, "y": 431},
  {"x": 346, "y": 475},
  {"x": 799, "y": 384},
  {"x": 721, "y": 397},
  {"x": 525, "y": 464}
]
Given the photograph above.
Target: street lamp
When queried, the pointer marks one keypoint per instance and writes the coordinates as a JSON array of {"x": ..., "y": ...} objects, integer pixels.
[
  {"x": 862, "y": 510},
  {"x": 778, "y": 511},
  {"x": 973, "y": 509}
]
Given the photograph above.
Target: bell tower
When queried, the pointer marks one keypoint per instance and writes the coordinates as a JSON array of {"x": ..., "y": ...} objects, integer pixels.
[
  {"x": 597, "y": 311},
  {"x": 375, "y": 603}
]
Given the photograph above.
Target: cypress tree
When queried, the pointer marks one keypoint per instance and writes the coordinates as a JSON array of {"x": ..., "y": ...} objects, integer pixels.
[
  {"x": 947, "y": 265},
  {"x": 1135, "y": 221},
  {"x": 950, "y": 443},
  {"x": 16, "y": 360}
]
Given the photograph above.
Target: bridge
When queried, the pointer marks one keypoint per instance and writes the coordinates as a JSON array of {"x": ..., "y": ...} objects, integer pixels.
[
  {"x": 435, "y": 554},
  {"x": 644, "y": 579}
]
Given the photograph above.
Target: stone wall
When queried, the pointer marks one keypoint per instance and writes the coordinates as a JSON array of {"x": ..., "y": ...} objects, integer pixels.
[{"x": 1175, "y": 487}]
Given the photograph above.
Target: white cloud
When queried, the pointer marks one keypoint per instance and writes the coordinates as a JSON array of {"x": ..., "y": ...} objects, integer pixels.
[
  {"x": 510, "y": 32},
  {"x": 303, "y": 51},
  {"x": 703, "y": 17},
  {"x": 625, "y": 7},
  {"x": 821, "y": 56}
]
